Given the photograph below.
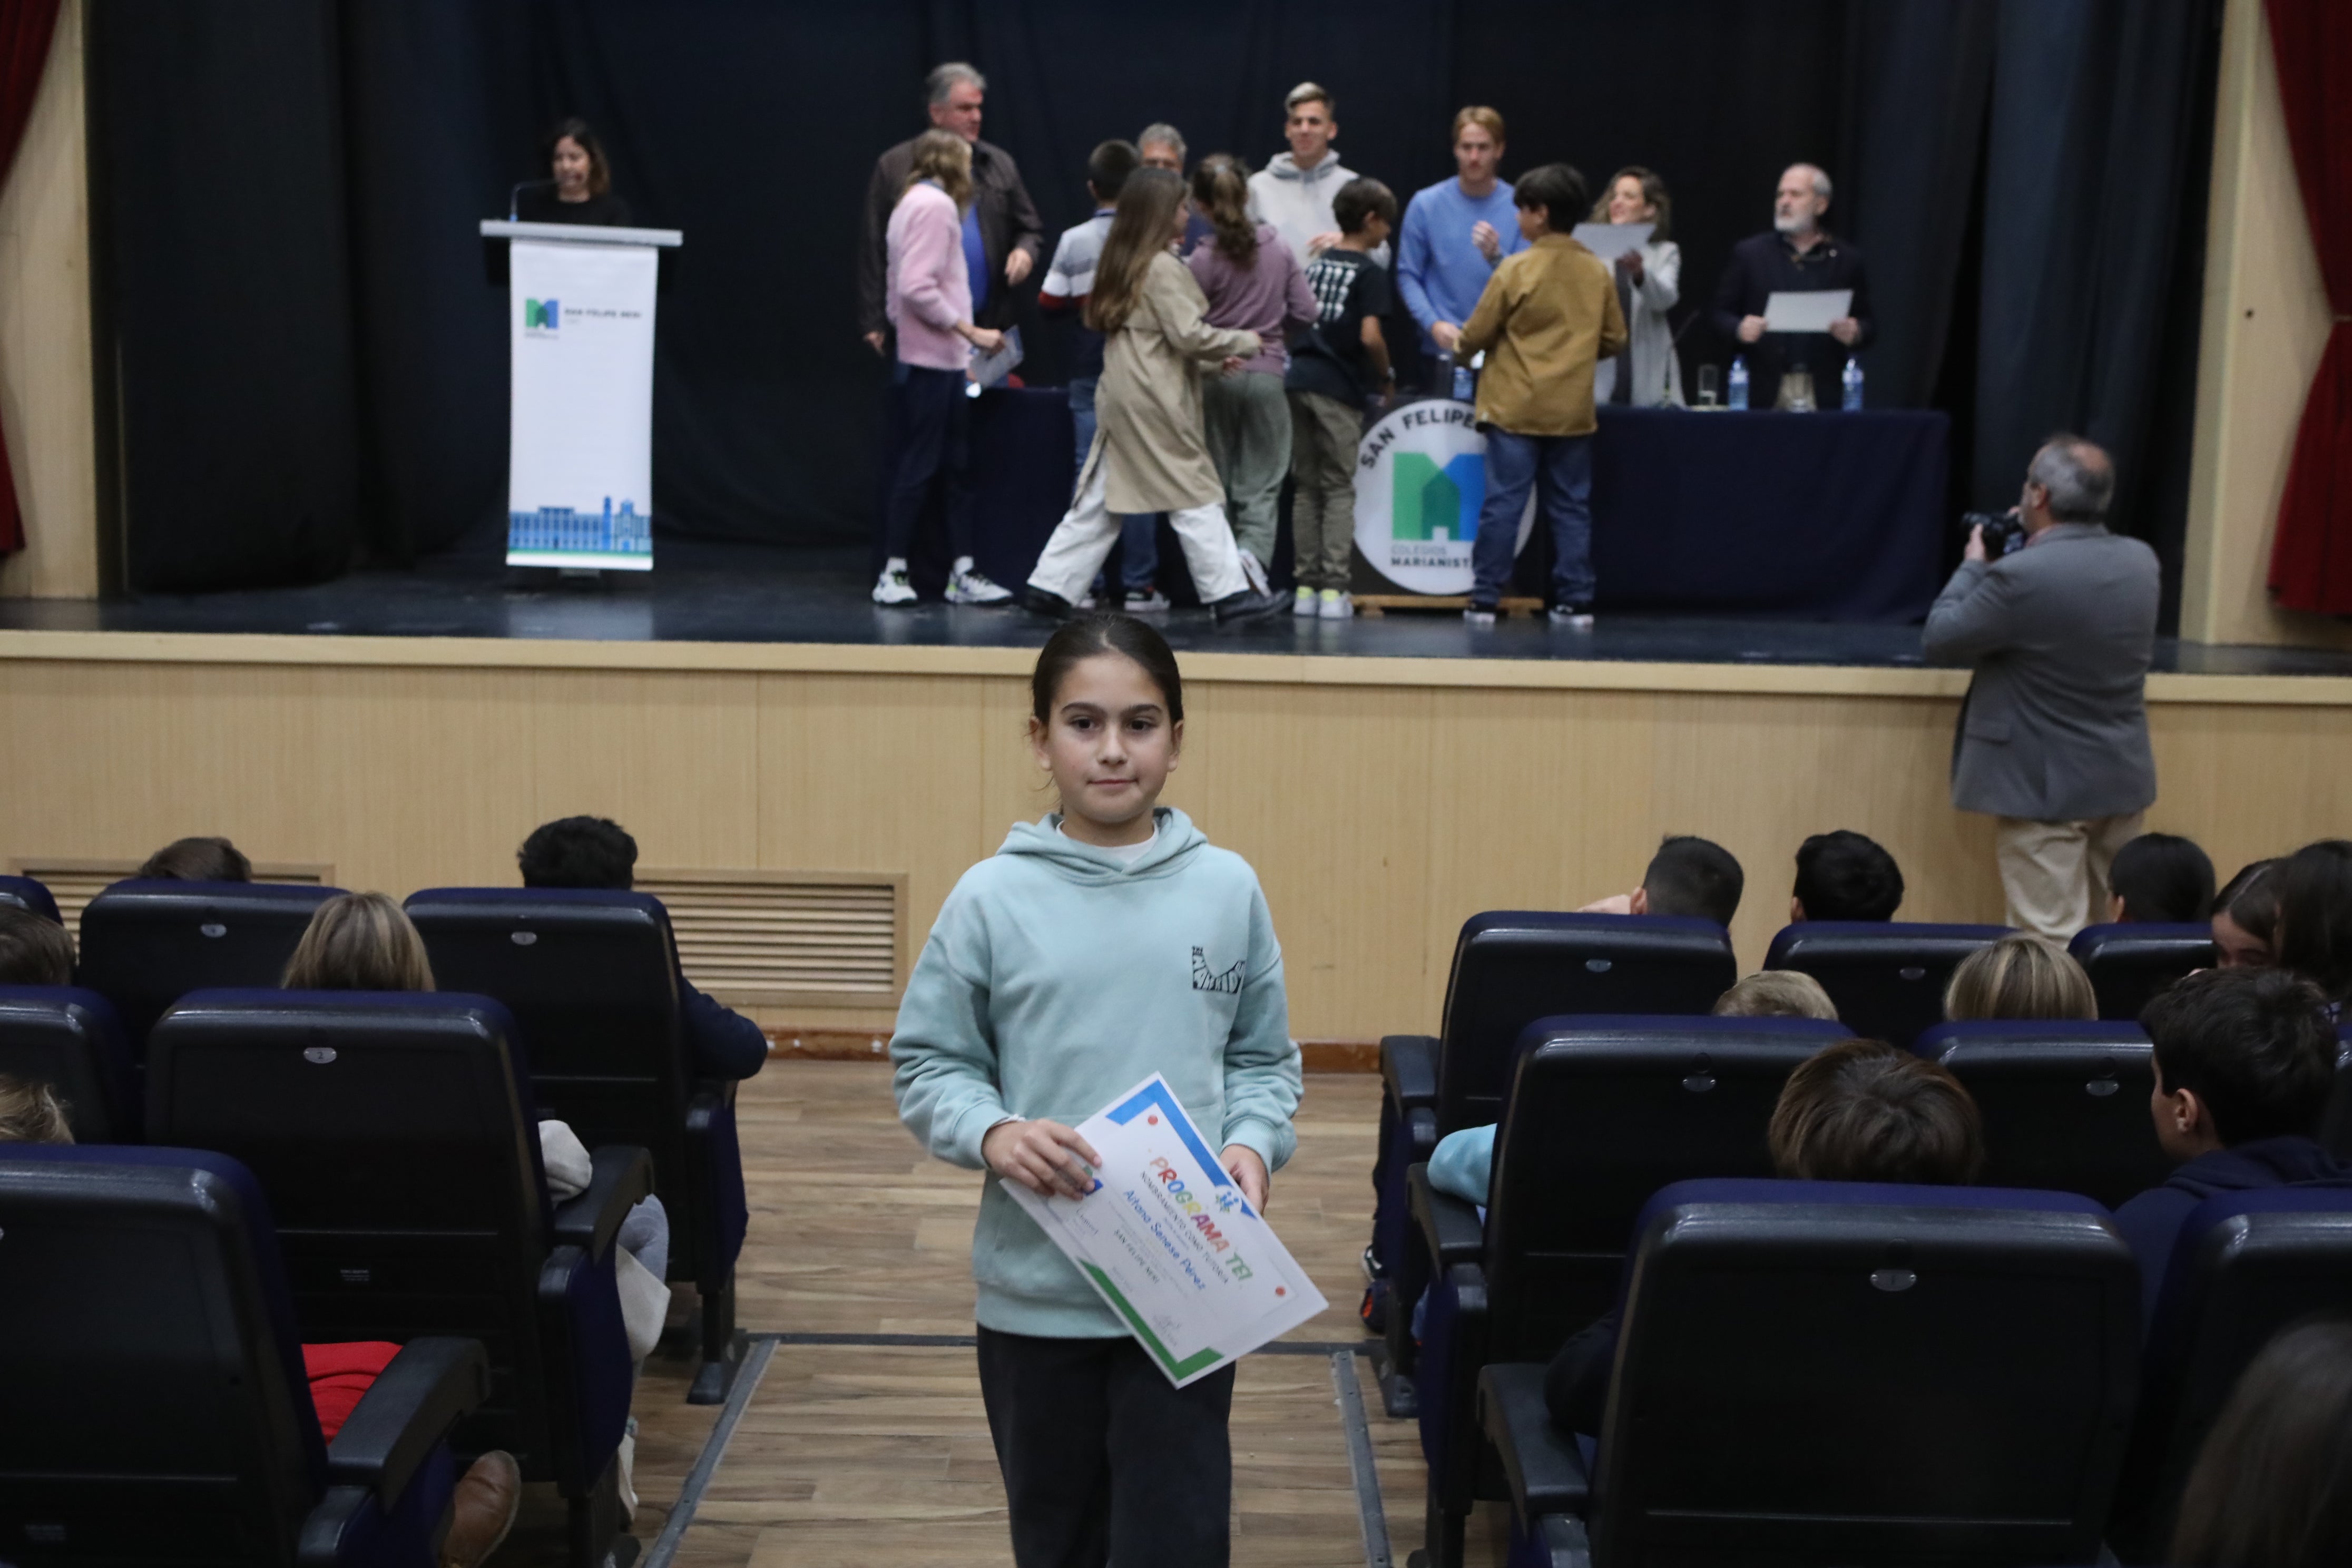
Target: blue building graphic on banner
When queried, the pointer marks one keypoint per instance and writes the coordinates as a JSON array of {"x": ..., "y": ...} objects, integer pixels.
[{"x": 560, "y": 530}]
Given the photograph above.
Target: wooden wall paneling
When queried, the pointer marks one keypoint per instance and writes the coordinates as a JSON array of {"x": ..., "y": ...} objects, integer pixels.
[
  {"x": 2251, "y": 781},
  {"x": 673, "y": 756}
]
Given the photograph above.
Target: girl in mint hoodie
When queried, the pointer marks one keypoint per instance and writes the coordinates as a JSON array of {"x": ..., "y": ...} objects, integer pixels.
[{"x": 1104, "y": 944}]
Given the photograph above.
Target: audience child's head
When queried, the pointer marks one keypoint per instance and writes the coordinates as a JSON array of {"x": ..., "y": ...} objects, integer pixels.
[
  {"x": 2245, "y": 918},
  {"x": 2271, "y": 1486},
  {"x": 1860, "y": 1110},
  {"x": 1777, "y": 994},
  {"x": 1221, "y": 190},
  {"x": 2020, "y": 976},
  {"x": 34, "y": 949},
  {"x": 1552, "y": 199},
  {"x": 1108, "y": 167},
  {"x": 943, "y": 157},
  {"x": 31, "y": 1113},
  {"x": 1691, "y": 876},
  {"x": 359, "y": 941},
  {"x": 579, "y": 852},
  {"x": 1845, "y": 875},
  {"x": 1106, "y": 723},
  {"x": 2241, "y": 1054},
  {"x": 1365, "y": 210},
  {"x": 1147, "y": 220},
  {"x": 199, "y": 860},
  {"x": 2315, "y": 915},
  {"x": 2160, "y": 879}
]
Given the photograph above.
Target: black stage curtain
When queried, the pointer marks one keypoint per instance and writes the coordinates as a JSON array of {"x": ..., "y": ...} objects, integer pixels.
[{"x": 311, "y": 358}]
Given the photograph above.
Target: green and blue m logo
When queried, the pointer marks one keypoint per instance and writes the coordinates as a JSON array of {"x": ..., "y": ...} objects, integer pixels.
[
  {"x": 541, "y": 315},
  {"x": 1434, "y": 503}
]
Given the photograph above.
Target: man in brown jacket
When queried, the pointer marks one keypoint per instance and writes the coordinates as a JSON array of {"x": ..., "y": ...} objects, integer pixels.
[
  {"x": 1002, "y": 225},
  {"x": 1548, "y": 317}
]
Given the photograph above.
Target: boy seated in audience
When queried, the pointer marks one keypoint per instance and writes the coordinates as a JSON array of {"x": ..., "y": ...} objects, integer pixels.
[
  {"x": 1464, "y": 1162},
  {"x": 594, "y": 852},
  {"x": 31, "y": 1113},
  {"x": 2245, "y": 1063},
  {"x": 34, "y": 949},
  {"x": 2160, "y": 879},
  {"x": 2020, "y": 976},
  {"x": 1687, "y": 876},
  {"x": 199, "y": 860},
  {"x": 1845, "y": 875},
  {"x": 1859, "y": 1111}
]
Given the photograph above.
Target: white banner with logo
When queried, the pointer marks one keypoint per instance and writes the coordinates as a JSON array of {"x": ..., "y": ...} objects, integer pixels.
[
  {"x": 580, "y": 446},
  {"x": 1421, "y": 480}
]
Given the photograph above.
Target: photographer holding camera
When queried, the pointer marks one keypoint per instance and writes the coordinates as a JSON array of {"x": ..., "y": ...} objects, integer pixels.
[{"x": 2053, "y": 738}]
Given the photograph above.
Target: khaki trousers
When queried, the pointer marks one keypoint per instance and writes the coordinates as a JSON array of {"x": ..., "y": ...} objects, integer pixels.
[
  {"x": 2054, "y": 874},
  {"x": 1325, "y": 435}
]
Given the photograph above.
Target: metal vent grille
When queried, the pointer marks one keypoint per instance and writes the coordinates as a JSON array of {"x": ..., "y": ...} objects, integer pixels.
[
  {"x": 788, "y": 937},
  {"x": 74, "y": 881}
]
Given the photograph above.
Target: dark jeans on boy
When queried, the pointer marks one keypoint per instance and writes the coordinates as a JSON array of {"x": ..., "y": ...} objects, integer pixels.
[
  {"x": 1559, "y": 467},
  {"x": 1104, "y": 1460},
  {"x": 934, "y": 434}
]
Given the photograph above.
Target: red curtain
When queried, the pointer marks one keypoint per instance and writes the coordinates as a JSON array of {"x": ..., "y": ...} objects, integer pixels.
[
  {"x": 25, "y": 29},
  {"x": 2311, "y": 563}
]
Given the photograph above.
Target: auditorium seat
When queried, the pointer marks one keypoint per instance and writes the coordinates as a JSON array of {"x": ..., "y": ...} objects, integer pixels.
[
  {"x": 27, "y": 894},
  {"x": 397, "y": 1143},
  {"x": 590, "y": 978},
  {"x": 1819, "y": 1373},
  {"x": 1887, "y": 977},
  {"x": 157, "y": 1407},
  {"x": 2065, "y": 1103},
  {"x": 2130, "y": 963},
  {"x": 1602, "y": 1112},
  {"x": 145, "y": 944},
  {"x": 2247, "y": 1264},
  {"x": 70, "y": 1039}
]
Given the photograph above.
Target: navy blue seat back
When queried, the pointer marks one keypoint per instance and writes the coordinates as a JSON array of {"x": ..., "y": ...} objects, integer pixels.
[
  {"x": 1816, "y": 1372},
  {"x": 2130, "y": 963},
  {"x": 70, "y": 1039},
  {"x": 1603, "y": 1112},
  {"x": 1511, "y": 968},
  {"x": 402, "y": 1157},
  {"x": 147, "y": 943},
  {"x": 2065, "y": 1103},
  {"x": 156, "y": 1409},
  {"x": 27, "y": 894},
  {"x": 1887, "y": 977}
]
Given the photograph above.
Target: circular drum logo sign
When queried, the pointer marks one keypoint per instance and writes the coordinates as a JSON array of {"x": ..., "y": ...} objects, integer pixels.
[{"x": 1421, "y": 479}]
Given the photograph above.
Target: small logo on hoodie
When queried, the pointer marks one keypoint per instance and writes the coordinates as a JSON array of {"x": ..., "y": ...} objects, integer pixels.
[{"x": 1228, "y": 981}]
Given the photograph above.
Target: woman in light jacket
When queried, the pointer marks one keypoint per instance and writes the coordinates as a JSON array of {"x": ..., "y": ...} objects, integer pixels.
[{"x": 1649, "y": 282}]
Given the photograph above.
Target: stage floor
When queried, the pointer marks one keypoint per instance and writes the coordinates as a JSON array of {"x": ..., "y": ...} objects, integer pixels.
[{"x": 702, "y": 591}]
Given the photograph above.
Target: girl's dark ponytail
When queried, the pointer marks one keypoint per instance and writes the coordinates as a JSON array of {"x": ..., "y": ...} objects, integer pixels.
[{"x": 1222, "y": 187}]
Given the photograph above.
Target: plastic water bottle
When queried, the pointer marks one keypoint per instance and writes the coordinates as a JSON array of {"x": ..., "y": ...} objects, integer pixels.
[
  {"x": 1853, "y": 384},
  {"x": 1464, "y": 386},
  {"x": 1735, "y": 385}
]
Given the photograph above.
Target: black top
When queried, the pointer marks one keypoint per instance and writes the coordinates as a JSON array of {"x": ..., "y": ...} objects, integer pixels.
[
  {"x": 1765, "y": 264},
  {"x": 1328, "y": 357},
  {"x": 543, "y": 206}
]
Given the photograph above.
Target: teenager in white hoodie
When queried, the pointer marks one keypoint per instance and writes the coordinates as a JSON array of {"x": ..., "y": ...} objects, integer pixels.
[{"x": 1293, "y": 191}]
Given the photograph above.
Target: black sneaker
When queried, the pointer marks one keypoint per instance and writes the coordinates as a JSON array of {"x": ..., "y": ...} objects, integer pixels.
[
  {"x": 1247, "y": 605},
  {"x": 1046, "y": 603}
]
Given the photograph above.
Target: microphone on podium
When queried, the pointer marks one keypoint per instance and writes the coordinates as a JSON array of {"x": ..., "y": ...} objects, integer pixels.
[{"x": 515, "y": 196}]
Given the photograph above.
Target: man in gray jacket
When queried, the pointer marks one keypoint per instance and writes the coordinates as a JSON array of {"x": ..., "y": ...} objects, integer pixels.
[{"x": 2052, "y": 740}]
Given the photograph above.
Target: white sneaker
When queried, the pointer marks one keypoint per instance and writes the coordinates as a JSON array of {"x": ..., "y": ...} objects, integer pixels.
[
  {"x": 1573, "y": 617},
  {"x": 1304, "y": 603},
  {"x": 1478, "y": 618},
  {"x": 1255, "y": 570},
  {"x": 1151, "y": 602},
  {"x": 893, "y": 588},
  {"x": 974, "y": 588},
  {"x": 1336, "y": 605}
]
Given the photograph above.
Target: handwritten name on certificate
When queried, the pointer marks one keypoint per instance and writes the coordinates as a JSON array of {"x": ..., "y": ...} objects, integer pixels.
[{"x": 1168, "y": 1240}]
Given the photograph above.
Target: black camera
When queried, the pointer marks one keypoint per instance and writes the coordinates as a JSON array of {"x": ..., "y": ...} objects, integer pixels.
[{"x": 2003, "y": 530}]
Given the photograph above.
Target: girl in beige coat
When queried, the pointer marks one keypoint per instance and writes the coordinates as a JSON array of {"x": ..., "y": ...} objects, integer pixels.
[{"x": 1148, "y": 454}]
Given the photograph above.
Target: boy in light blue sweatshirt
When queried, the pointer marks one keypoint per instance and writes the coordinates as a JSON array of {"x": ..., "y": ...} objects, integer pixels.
[{"x": 1105, "y": 943}]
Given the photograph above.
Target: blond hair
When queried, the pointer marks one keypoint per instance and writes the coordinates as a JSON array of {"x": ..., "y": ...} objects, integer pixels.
[
  {"x": 1480, "y": 115},
  {"x": 1777, "y": 994},
  {"x": 360, "y": 941},
  {"x": 2020, "y": 976},
  {"x": 944, "y": 156},
  {"x": 31, "y": 1113}
]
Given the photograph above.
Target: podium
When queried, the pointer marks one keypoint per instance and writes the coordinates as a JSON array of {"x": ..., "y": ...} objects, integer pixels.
[{"x": 580, "y": 328}]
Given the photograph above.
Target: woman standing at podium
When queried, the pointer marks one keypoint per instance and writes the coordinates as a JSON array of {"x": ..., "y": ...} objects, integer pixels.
[{"x": 580, "y": 189}]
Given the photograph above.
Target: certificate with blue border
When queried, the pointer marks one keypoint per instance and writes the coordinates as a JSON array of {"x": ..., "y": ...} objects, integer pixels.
[{"x": 1168, "y": 1240}]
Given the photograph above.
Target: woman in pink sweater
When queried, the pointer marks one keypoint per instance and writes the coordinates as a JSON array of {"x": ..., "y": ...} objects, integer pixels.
[{"x": 928, "y": 299}]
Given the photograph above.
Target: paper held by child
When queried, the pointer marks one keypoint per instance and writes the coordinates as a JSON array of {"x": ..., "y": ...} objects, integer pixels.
[
  {"x": 1167, "y": 1239},
  {"x": 990, "y": 369}
]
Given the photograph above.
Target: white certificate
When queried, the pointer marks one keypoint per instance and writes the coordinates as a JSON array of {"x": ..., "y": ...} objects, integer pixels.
[
  {"x": 1805, "y": 310},
  {"x": 1610, "y": 240},
  {"x": 1167, "y": 1241}
]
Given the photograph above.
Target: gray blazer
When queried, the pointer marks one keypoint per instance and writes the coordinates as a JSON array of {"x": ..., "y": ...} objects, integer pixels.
[{"x": 2061, "y": 633}]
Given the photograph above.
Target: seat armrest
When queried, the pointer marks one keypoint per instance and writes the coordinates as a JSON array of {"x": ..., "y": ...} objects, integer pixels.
[
  {"x": 1409, "y": 1069},
  {"x": 1450, "y": 1227},
  {"x": 410, "y": 1407},
  {"x": 622, "y": 1175},
  {"x": 336, "y": 1518},
  {"x": 1542, "y": 1463}
]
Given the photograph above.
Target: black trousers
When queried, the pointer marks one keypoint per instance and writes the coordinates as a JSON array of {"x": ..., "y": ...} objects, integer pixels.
[
  {"x": 1104, "y": 1460},
  {"x": 934, "y": 434}
]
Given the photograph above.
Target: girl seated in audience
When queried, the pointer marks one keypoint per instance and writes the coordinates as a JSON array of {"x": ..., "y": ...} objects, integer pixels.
[
  {"x": 199, "y": 860},
  {"x": 1860, "y": 1110},
  {"x": 2273, "y": 1485},
  {"x": 31, "y": 1113},
  {"x": 2162, "y": 878},
  {"x": 34, "y": 949},
  {"x": 2245, "y": 918},
  {"x": 2020, "y": 976},
  {"x": 2315, "y": 919}
]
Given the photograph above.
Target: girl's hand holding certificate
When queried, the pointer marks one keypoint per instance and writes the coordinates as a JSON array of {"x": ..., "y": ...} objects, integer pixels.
[{"x": 1049, "y": 1159}]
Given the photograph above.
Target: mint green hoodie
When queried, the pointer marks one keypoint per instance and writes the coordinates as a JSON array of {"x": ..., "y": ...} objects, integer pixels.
[{"x": 1057, "y": 978}]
